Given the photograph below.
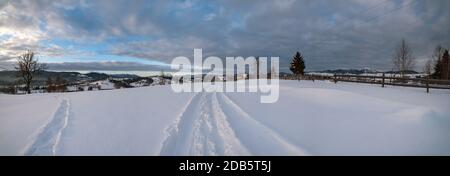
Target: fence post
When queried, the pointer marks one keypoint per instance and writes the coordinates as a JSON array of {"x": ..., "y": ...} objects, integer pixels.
[
  {"x": 428, "y": 87},
  {"x": 382, "y": 80}
]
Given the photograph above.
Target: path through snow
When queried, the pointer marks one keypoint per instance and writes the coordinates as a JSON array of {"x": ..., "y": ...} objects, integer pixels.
[
  {"x": 47, "y": 140},
  {"x": 212, "y": 124}
]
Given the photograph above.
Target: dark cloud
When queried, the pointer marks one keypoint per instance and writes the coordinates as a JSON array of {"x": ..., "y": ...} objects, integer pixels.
[{"x": 330, "y": 34}]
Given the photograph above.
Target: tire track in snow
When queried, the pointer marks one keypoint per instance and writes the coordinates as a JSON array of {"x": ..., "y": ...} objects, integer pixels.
[
  {"x": 257, "y": 137},
  {"x": 215, "y": 125},
  {"x": 202, "y": 130},
  {"x": 48, "y": 139},
  {"x": 180, "y": 130}
]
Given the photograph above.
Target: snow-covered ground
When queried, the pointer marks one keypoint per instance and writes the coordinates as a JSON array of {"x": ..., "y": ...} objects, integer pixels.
[{"x": 310, "y": 118}]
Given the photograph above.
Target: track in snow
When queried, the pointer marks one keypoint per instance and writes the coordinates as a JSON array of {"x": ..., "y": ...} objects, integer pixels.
[
  {"x": 212, "y": 124},
  {"x": 47, "y": 140}
]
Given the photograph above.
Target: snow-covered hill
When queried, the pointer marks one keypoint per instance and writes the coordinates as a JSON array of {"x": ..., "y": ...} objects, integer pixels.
[{"x": 310, "y": 118}]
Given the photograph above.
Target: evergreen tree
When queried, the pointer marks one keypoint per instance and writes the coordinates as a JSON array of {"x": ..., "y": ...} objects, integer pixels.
[
  {"x": 437, "y": 69},
  {"x": 438, "y": 74},
  {"x": 444, "y": 65},
  {"x": 298, "y": 64},
  {"x": 436, "y": 57}
]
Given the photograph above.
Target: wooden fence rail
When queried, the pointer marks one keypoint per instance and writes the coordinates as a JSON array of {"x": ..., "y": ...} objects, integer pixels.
[{"x": 395, "y": 81}]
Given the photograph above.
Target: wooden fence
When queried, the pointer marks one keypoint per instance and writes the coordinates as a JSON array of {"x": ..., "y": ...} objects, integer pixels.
[
  {"x": 395, "y": 81},
  {"x": 382, "y": 80}
]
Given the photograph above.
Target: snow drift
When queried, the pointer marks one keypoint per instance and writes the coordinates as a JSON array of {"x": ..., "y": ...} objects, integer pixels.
[{"x": 310, "y": 118}]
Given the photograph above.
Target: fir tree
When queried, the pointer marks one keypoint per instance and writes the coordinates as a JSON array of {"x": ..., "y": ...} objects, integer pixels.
[
  {"x": 436, "y": 57},
  {"x": 444, "y": 65},
  {"x": 437, "y": 69},
  {"x": 298, "y": 64},
  {"x": 438, "y": 74}
]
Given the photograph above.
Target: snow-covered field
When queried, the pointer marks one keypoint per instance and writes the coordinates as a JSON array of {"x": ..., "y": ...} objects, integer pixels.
[{"x": 310, "y": 118}]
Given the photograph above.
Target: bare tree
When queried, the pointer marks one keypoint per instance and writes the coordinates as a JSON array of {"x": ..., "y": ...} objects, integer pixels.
[
  {"x": 403, "y": 59},
  {"x": 162, "y": 80},
  {"x": 27, "y": 67},
  {"x": 437, "y": 53},
  {"x": 427, "y": 68},
  {"x": 257, "y": 67}
]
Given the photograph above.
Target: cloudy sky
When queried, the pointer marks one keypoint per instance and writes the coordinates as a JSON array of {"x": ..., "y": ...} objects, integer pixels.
[{"x": 143, "y": 35}]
